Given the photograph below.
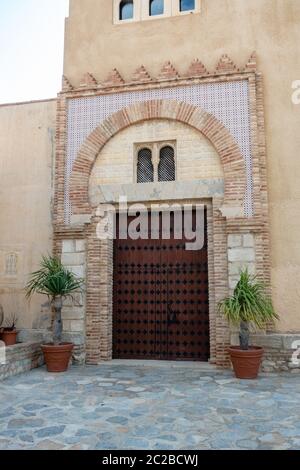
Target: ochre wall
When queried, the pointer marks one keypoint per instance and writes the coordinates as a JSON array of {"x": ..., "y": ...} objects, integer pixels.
[
  {"x": 195, "y": 155},
  {"x": 235, "y": 27},
  {"x": 27, "y": 133}
]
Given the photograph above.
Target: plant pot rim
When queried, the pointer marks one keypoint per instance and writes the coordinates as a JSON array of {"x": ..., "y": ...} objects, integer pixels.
[
  {"x": 4, "y": 330},
  {"x": 252, "y": 352},
  {"x": 251, "y": 349},
  {"x": 60, "y": 345}
]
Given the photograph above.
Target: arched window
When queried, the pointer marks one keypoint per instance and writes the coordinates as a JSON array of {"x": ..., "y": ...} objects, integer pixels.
[
  {"x": 126, "y": 10},
  {"x": 186, "y": 5},
  {"x": 145, "y": 169},
  {"x": 156, "y": 7},
  {"x": 166, "y": 166}
]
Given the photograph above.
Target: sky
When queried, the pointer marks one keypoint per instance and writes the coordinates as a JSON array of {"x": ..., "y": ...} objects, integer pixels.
[{"x": 31, "y": 49}]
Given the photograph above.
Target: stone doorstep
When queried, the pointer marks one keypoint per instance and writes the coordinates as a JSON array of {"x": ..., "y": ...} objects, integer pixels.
[{"x": 201, "y": 366}]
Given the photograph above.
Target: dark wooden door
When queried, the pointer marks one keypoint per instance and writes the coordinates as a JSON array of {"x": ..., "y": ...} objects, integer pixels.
[{"x": 160, "y": 299}]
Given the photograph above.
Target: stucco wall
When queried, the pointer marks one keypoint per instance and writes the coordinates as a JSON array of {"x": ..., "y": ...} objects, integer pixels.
[
  {"x": 196, "y": 158},
  {"x": 27, "y": 134},
  {"x": 235, "y": 27}
]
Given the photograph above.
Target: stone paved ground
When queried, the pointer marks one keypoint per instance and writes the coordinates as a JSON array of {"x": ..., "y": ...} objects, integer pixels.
[{"x": 120, "y": 406}]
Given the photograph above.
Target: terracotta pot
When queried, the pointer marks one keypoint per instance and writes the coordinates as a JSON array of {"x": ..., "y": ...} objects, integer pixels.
[
  {"x": 57, "y": 357},
  {"x": 246, "y": 364},
  {"x": 9, "y": 337}
]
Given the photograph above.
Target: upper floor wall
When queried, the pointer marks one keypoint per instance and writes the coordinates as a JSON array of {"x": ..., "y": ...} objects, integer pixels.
[{"x": 97, "y": 41}]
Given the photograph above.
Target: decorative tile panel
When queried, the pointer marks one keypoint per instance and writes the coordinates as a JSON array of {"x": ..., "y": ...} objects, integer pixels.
[{"x": 227, "y": 101}]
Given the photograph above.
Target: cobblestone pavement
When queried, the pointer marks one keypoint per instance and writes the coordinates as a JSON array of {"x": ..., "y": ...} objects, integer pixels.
[{"x": 121, "y": 406}]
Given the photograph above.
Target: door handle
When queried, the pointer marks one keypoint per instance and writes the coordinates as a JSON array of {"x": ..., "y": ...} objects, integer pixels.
[{"x": 172, "y": 316}]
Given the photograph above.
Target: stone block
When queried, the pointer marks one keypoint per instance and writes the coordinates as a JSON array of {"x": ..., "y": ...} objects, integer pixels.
[
  {"x": 73, "y": 259},
  {"x": 80, "y": 246},
  {"x": 80, "y": 219},
  {"x": 77, "y": 300},
  {"x": 272, "y": 341},
  {"x": 235, "y": 268},
  {"x": 79, "y": 357},
  {"x": 241, "y": 254},
  {"x": 289, "y": 341},
  {"x": 68, "y": 246},
  {"x": 73, "y": 313},
  {"x": 67, "y": 325},
  {"x": 74, "y": 337},
  {"x": 79, "y": 271},
  {"x": 234, "y": 241},
  {"x": 43, "y": 321},
  {"x": 248, "y": 240},
  {"x": 234, "y": 338},
  {"x": 76, "y": 326},
  {"x": 233, "y": 282},
  {"x": 32, "y": 335}
]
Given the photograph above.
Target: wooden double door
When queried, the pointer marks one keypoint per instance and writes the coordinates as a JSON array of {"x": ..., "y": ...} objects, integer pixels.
[{"x": 160, "y": 299}]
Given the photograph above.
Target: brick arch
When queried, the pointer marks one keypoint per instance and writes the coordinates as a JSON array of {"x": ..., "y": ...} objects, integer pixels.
[{"x": 224, "y": 143}]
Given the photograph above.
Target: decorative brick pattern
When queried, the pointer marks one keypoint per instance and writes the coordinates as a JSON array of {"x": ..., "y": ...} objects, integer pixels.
[
  {"x": 168, "y": 72},
  {"x": 209, "y": 126},
  {"x": 88, "y": 81},
  {"x": 141, "y": 75},
  {"x": 99, "y": 297},
  {"x": 113, "y": 79},
  {"x": 226, "y": 65},
  {"x": 66, "y": 85},
  {"x": 251, "y": 64},
  {"x": 197, "y": 69},
  {"x": 60, "y": 138}
]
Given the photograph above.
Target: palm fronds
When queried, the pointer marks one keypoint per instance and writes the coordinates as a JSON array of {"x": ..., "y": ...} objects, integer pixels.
[
  {"x": 249, "y": 303},
  {"x": 53, "y": 280}
]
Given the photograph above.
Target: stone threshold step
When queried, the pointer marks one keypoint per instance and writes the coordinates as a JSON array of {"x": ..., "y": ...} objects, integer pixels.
[{"x": 204, "y": 366}]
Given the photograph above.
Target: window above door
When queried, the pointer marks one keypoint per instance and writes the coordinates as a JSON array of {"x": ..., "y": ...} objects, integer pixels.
[
  {"x": 128, "y": 11},
  {"x": 155, "y": 162}
]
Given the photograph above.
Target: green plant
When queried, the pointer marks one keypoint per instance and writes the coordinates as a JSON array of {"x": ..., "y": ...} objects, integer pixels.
[
  {"x": 10, "y": 322},
  {"x": 58, "y": 283},
  {"x": 249, "y": 306}
]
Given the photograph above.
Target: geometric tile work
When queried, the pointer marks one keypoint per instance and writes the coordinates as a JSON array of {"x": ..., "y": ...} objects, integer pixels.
[{"x": 227, "y": 101}]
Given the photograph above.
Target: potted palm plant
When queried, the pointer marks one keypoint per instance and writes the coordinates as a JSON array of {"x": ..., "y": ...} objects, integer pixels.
[
  {"x": 58, "y": 283},
  {"x": 9, "y": 331},
  {"x": 248, "y": 307}
]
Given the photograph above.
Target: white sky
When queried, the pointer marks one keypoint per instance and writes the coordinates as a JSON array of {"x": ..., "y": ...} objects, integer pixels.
[{"x": 31, "y": 48}]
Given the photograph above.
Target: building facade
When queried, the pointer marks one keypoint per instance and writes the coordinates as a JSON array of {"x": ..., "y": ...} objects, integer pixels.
[{"x": 162, "y": 101}]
